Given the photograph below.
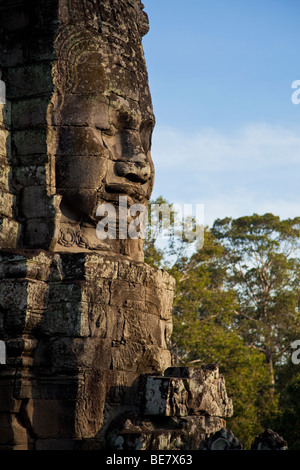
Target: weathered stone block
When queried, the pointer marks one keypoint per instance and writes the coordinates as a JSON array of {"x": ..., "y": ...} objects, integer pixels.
[
  {"x": 78, "y": 141},
  {"x": 8, "y": 403},
  {"x": 7, "y": 204},
  {"x": 15, "y": 54},
  {"x": 107, "y": 267},
  {"x": 31, "y": 141},
  {"x": 125, "y": 294},
  {"x": 12, "y": 432},
  {"x": 268, "y": 440},
  {"x": 97, "y": 292},
  {"x": 10, "y": 232},
  {"x": 25, "y": 322},
  {"x": 223, "y": 439},
  {"x": 123, "y": 81},
  {"x": 139, "y": 357},
  {"x": 166, "y": 397},
  {"x": 195, "y": 391},
  {"x": 5, "y": 144},
  {"x": 131, "y": 433},
  {"x": 27, "y": 176},
  {"x": 47, "y": 386},
  {"x": 5, "y": 176},
  {"x": 52, "y": 418},
  {"x": 21, "y": 303},
  {"x": 39, "y": 267},
  {"x": 20, "y": 348},
  {"x": 13, "y": 295},
  {"x": 30, "y": 80},
  {"x": 65, "y": 318},
  {"x": 132, "y": 272},
  {"x": 42, "y": 44},
  {"x": 126, "y": 357},
  {"x": 83, "y": 111},
  {"x": 35, "y": 202},
  {"x": 166, "y": 301},
  {"x": 5, "y": 115},
  {"x": 29, "y": 112},
  {"x": 70, "y": 354},
  {"x": 154, "y": 360},
  {"x": 39, "y": 231},
  {"x": 37, "y": 160},
  {"x": 147, "y": 328},
  {"x": 64, "y": 292}
]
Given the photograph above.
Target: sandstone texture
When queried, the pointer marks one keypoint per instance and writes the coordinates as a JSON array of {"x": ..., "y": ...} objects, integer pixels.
[
  {"x": 75, "y": 132},
  {"x": 174, "y": 434},
  {"x": 79, "y": 331},
  {"x": 178, "y": 411},
  {"x": 187, "y": 391},
  {"x": 84, "y": 322}
]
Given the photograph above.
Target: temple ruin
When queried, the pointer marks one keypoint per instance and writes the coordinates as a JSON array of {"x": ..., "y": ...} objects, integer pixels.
[{"x": 85, "y": 322}]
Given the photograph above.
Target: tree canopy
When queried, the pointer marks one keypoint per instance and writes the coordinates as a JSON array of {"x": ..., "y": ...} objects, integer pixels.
[{"x": 237, "y": 305}]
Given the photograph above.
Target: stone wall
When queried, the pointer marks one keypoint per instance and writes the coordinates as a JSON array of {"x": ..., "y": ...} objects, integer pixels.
[
  {"x": 76, "y": 130},
  {"x": 86, "y": 323},
  {"x": 26, "y": 57},
  {"x": 79, "y": 332}
]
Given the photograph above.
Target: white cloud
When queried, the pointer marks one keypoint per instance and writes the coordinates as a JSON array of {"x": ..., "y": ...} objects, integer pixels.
[
  {"x": 254, "y": 169},
  {"x": 210, "y": 150},
  {"x": 245, "y": 205}
]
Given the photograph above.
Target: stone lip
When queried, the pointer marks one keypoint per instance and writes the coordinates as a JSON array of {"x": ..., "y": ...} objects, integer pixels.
[{"x": 184, "y": 391}]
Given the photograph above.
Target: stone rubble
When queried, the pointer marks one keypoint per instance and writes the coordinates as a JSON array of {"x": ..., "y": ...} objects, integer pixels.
[
  {"x": 178, "y": 410},
  {"x": 269, "y": 440}
]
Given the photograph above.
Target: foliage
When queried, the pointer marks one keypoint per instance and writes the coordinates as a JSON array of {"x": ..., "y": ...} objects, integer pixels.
[
  {"x": 205, "y": 331},
  {"x": 261, "y": 254},
  {"x": 287, "y": 420},
  {"x": 236, "y": 305}
]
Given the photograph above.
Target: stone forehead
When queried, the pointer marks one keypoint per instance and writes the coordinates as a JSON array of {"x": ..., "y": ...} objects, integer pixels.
[
  {"x": 111, "y": 29},
  {"x": 100, "y": 14},
  {"x": 74, "y": 45}
]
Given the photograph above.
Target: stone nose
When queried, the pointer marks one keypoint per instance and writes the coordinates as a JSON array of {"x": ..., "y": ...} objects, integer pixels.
[{"x": 136, "y": 169}]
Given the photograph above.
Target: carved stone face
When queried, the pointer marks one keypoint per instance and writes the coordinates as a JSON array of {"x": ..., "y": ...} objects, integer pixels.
[
  {"x": 103, "y": 132},
  {"x": 103, "y": 141}
]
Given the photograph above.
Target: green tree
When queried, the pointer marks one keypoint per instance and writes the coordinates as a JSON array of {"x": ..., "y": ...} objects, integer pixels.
[
  {"x": 236, "y": 305},
  {"x": 205, "y": 331},
  {"x": 261, "y": 253},
  {"x": 287, "y": 420},
  {"x": 166, "y": 242}
]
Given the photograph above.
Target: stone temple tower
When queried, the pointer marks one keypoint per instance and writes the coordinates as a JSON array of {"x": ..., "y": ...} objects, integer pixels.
[{"x": 85, "y": 322}]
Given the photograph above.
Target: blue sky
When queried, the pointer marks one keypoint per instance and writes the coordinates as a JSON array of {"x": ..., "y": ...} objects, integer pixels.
[{"x": 227, "y": 133}]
